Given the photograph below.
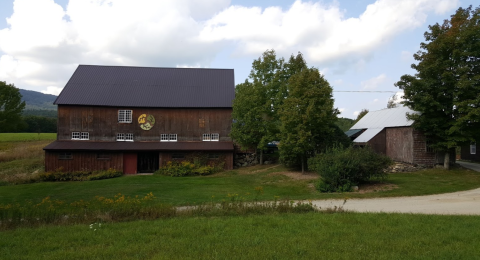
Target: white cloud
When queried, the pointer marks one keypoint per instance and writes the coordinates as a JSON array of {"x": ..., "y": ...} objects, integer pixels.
[
  {"x": 319, "y": 30},
  {"x": 397, "y": 98},
  {"x": 374, "y": 82},
  {"x": 44, "y": 43},
  {"x": 52, "y": 90},
  {"x": 356, "y": 113}
]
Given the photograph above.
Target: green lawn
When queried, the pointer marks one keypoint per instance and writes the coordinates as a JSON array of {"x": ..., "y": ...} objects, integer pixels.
[
  {"x": 23, "y": 137},
  {"x": 192, "y": 190},
  {"x": 271, "y": 236}
]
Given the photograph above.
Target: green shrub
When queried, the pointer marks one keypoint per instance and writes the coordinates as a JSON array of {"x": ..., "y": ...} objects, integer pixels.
[
  {"x": 343, "y": 168},
  {"x": 186, "y": 168},
  {"x": 61, "y": 175}
]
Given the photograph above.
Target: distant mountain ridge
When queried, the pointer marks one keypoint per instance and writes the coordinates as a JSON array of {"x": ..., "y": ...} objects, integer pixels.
[
  {"x": 38, "y": 101},
  {"x": 38, "y": 104}
]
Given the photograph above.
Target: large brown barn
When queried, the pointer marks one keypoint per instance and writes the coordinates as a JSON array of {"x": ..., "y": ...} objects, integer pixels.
[
  {"x": 389, "y": 132},
  {"x": 135, "y": 119}
]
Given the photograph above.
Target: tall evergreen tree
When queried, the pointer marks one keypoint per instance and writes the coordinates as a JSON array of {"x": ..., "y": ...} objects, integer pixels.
[{"x": 445, "y": 89}]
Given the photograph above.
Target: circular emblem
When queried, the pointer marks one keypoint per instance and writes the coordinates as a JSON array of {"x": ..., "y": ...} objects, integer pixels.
[{"x": 146, "y": 121}]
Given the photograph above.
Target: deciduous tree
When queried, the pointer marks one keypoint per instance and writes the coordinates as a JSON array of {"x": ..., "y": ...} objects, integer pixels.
[
  {"x": 307, "y": 117},
  {"x": 11, "y": 107},
  {"x": 445, "y": 89}
]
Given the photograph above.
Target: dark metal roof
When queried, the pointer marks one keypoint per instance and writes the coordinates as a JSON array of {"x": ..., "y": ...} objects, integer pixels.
[
  {"x": 149, "y": 87},
  {"x": 351, "y": 132},
  {"x": 139, "y": 146}
]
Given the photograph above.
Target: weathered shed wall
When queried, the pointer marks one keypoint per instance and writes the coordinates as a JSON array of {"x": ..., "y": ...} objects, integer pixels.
[
  {"x": 83, "y": 161},
  {"x": 420, "y": 153},
  {"x": 102, "y": 123},
  {"x": 378, "y": 143},
  {"x": 399, "y": 144}
]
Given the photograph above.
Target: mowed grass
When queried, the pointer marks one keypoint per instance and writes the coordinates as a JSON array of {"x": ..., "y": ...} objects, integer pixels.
[
  {"x": 277, "y": 236},
  {"x": 195, "y": 190},
  {"x": 25, "y": 137}
]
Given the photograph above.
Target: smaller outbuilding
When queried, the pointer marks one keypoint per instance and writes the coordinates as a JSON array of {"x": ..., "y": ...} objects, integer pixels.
[
  {"x": 469, "y": 152},
  {"x": 389, "y": 132}
]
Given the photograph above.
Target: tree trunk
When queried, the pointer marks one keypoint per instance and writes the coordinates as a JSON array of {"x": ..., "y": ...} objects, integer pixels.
[
  {"x": 261, "y": 156},
  {"x": 303, "y": 167},
  {"x": 446, "y": 161}
]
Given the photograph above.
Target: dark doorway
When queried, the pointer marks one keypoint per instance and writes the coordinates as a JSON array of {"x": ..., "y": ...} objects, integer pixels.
[{"x": 147, "y": 162}]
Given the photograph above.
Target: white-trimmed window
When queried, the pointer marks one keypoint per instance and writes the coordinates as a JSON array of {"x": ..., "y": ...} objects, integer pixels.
[
  {"x": 75, "y": 135},
  {"x": 84, "y": 136},
  {"x": 168, "y": 137},
  {"x": 215, "y": 137},
  {"x": 120, "y": 137},
  {"x": 124, "y": 137},
  {"x": 473, "y": 148},
  {"x": 65, "y": 156},
  {"x": 164, "y": 137},
  {"x": 206, "y": 137},
  {"x": 124, "y": 116}
]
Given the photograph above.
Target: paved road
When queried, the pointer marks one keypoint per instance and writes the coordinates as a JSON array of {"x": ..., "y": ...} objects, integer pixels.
[
  {"x": 472, "y": 166},
  {"x": 457, "y": 203}
]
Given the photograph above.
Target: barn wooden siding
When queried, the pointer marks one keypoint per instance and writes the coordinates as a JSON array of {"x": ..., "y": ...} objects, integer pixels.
[
  {"x": 83, "y": 161},
  {"x": 102, "y": 123},
  {"x": 89, "y": 161}
]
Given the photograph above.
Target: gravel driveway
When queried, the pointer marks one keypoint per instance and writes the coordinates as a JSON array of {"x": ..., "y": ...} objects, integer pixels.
[{"x": 457, "y": 203}]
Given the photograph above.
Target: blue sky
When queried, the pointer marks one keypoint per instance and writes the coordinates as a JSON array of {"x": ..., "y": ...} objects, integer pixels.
[{"x": 362, "y": 45}]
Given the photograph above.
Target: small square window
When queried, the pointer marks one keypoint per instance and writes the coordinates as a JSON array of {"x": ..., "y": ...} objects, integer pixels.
[
  {"x": 129, "y": 137},
  {"x": 121, "y": 137},
  {"x": 75, "y": 135},
  {"x": 65, "y": 156},
  {"x": 215, "y": 137},
  {"x": 473, "y": 148},
  {"x": 173, "y": 138},
  {"x": 206, "y": 137},
  {"x": 124, "y": 116},
  {"x": 164, "y": 137},
  {"x": 84, "y": 136}
]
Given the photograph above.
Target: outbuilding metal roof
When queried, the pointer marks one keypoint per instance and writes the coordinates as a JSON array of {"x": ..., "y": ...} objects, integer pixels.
[
  {"x": 376, "y": 121},
  {"x": 389, "y": 117},
  {"x": 138, "y": 146},
  {"x": 149, "y": 87}
]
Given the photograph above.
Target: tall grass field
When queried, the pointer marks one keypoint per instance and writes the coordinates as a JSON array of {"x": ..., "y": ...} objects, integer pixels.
[{"x": 22, "y": 156}]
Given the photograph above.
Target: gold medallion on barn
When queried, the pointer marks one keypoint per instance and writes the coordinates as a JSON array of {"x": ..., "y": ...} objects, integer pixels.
[{"x": 146, "y": 121}]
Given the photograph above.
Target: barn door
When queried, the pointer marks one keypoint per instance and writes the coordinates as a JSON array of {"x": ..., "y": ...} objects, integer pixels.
[
  {"x": 129, "y": 163},
  {"x": 147, "y": 162}
]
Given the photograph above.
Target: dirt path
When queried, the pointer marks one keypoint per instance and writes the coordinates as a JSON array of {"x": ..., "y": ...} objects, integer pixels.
[{"x": 457, "y": 203}]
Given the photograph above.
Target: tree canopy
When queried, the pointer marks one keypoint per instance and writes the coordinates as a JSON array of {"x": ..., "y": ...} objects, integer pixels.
[
  {"x": 284, "y": 101},
  {"x": 11, "y": 107},
  {"x": 445, "y": 89}
]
